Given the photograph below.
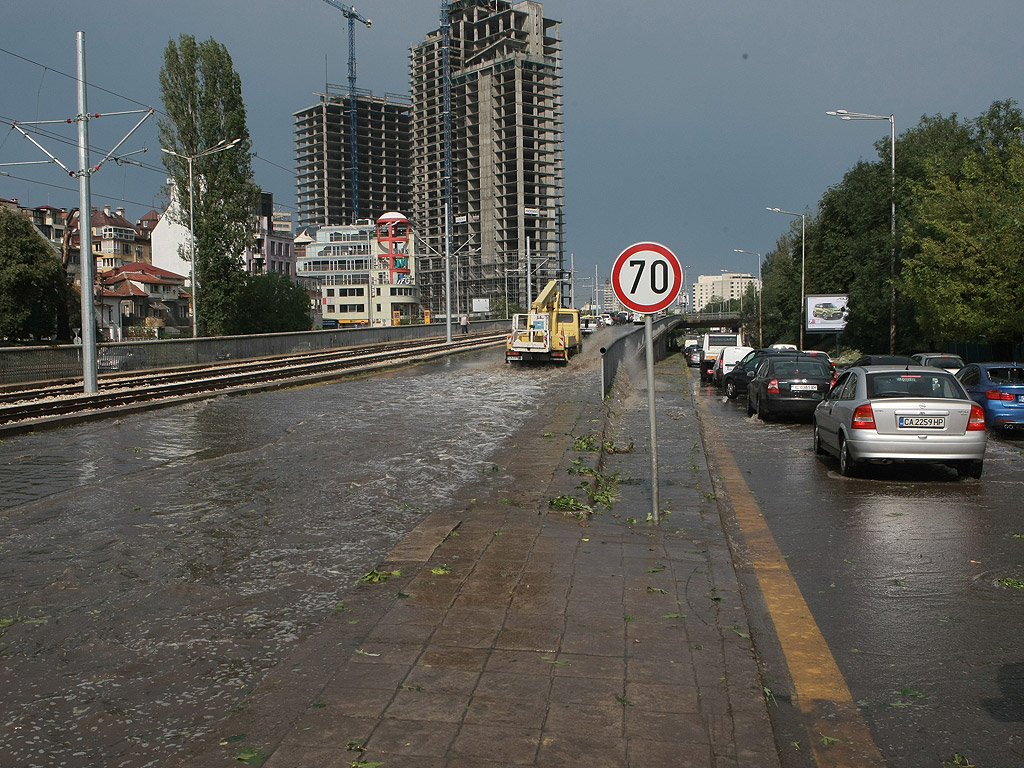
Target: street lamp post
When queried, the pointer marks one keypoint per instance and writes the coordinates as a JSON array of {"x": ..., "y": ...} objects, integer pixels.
[
  {"x": 803, "y": 268},
  {"x": 760, "y": 287},
  {"x": 220, "y": 146},
  {"x": 686, "y": 297},
  {"x": 844, "y": 114}
]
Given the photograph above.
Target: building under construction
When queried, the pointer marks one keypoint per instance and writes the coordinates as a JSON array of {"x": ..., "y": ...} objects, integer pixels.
[
  {"x": 506, "y": 150},
  {"x": 323, "y": 158}
]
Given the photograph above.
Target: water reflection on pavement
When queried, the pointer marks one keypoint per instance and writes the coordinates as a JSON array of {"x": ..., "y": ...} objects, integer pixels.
[{"x": 155, "y": 566}]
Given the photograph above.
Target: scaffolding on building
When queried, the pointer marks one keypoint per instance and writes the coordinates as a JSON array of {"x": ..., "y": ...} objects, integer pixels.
[
  {"x": 323, "y": 155},
  {"x": 506, "y": 149}
]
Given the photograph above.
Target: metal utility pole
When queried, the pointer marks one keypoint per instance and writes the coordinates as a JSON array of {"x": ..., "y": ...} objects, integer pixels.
[
  {"x": 350, "y": 13},
  {"x": 446, "y": 113},
  {"x": 87, "y": 264},
  {"x": 845, "y": 114},
  {"x": 84, "y": 174}
]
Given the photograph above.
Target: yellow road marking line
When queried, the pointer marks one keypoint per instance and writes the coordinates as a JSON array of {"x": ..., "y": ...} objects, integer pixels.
[{"x": 821, "y": 691}]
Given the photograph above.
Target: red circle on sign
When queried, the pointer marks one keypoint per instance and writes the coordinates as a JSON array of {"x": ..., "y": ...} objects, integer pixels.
[{"x": 647, "y": 277}]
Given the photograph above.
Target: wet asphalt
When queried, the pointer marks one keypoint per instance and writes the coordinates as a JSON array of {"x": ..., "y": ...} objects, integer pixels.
[{"x": 184, "y": 587}]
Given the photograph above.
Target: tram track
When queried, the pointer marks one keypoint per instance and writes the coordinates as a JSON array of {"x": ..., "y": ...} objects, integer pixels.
[{"x": 24, "y": 409}]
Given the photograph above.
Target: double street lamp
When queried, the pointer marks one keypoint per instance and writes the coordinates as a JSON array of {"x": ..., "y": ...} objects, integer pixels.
[
  {"x": 221, "y": 146},
  {"x": 803, "y": 268},
  {"x": 760, "y": 315},
  {"x": 845, "y": 114}
]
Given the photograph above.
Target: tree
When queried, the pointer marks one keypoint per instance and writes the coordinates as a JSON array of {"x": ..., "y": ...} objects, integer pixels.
[
  {"x": 780, "y": 274},
  {"x": 852, "y": 250},
  {"x": 273, "y": 303},
  {"x": 202, "y": 96},
  {"x": 967, "y": 271},
  {"x": 498, "y": 310},
  {"x": 34, "y": 287}
]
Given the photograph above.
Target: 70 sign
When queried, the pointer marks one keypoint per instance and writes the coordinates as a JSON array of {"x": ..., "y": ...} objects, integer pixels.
[{"x": 646, "y": 277}]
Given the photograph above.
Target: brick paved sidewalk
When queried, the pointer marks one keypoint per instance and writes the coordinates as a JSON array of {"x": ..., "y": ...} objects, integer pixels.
[{"x": 513, "y": 634}]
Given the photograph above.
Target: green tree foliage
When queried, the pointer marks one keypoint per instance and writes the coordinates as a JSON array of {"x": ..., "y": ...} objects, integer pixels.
[
  {"x": 273, "y": 303},
  {"x": 202, "y": 96},
  {"x": 498, "y": 308},
  {"x": 780, "y": 274},
  {"x": 958, "y": 253},
  {"x": 852, "y": 250},
  {"x": 34, "y": 288},
  {"x": 966, "y": 273}
]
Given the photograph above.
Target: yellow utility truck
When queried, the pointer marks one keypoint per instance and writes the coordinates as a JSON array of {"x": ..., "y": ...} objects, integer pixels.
[{"x": 548, "y": 332}]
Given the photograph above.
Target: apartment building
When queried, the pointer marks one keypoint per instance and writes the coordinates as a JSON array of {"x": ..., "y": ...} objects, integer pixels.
[
  {"x": 323, "y": 158},
  {"x": 506, "y": 151},
  {"x": 363, "y": 273},
  {"x": 273, "y": 250},
  {"x": 721, "y": 289}
]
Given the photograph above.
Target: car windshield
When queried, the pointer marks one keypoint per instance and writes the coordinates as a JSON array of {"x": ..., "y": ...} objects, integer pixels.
[
  {"x": 913, "y": 384},
  {"x": 946, "y": 361},
  {"x": 1008, "y": 375},
  {"x": 800, "y": 369}
]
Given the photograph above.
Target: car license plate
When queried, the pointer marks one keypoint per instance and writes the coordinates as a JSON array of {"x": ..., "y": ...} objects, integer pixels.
[
  {"x": 1020, "y": 398},
  {"x": 804, "y": 388},
  {"x": 922, "y": 422}
]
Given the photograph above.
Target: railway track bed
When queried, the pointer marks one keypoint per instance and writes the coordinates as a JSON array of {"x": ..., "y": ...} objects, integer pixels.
[{"x": 31, "y": 407}]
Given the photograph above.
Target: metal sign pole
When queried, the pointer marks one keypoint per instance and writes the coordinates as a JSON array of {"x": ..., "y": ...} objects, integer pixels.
[
  {"x": 649, "y": 342},
  {"x": 646, "y": 278}
]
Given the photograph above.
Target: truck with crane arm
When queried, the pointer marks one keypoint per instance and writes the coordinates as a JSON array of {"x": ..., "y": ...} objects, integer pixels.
[{"x": 549, "y": 332}]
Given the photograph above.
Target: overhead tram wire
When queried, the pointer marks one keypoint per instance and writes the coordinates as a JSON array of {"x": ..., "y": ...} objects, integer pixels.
[
  {"x": 92, "y": 147},
  {"x": 75, "y": 78},
  {"x": 57, "y": 137}
]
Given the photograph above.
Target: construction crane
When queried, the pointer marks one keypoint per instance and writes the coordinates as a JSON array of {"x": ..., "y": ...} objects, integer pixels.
[{"x": 350, "y": 13}]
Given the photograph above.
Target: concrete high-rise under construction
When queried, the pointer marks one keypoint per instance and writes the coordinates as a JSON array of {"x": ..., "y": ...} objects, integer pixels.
[
  {"x": 323, "y": 158},
  {"x": 506, "y": 150}
]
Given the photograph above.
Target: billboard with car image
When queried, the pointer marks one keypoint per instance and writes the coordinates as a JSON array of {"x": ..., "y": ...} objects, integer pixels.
[{"x": 826, "y": 313}]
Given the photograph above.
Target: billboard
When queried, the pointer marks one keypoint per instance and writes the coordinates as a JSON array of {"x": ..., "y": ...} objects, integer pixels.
[
  {"x": 826, "y": 314},
  {"x": 481, "y": 306}
]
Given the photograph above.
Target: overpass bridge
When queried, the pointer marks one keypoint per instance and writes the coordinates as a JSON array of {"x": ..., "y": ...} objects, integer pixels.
[{"x": 730, "y": 320}]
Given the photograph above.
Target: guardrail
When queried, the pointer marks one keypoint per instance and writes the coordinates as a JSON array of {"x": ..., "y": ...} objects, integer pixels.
[
  {"x": 48, "y": 363},
  {"x": 631, "y": 347}
]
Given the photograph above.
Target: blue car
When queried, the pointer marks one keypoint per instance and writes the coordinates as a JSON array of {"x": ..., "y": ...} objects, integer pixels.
[{"x": 999, "y": 389}]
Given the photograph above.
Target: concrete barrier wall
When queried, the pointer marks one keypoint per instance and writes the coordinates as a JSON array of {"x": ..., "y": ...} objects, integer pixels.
[
  {"x": 631, "y": 346},
  {"x": 49, "y": 363}
]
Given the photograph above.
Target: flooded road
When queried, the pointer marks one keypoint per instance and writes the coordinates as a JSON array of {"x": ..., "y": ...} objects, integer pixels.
[
  {"x": 916, "y": 581},
  {"x": 154, "y": 567}
]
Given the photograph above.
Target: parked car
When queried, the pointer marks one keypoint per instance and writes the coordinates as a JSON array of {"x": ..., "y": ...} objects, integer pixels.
[
  {"x": 951, "y": 363},
  {"x": 900, "y": 413},
  {"x": 725, "y": 362},
  {"x": 883, "y": 360},
  {"x": 790, "y": 385},
  {"x": 735, "y": 381},
  {"x": 110, "y": 359},
  {"x": 999, "y": 389}
]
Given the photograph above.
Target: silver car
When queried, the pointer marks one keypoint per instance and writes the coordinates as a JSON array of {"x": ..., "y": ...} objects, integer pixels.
[{"x": 886, "y": 413}]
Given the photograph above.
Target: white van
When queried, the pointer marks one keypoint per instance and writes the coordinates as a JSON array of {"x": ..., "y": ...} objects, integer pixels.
[
  {"x": 712, "y": 344},
  {"x": 726, "y": 361}
]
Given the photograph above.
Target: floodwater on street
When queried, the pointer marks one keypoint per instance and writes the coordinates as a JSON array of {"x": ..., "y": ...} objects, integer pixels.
[{"x": 154, "y": 567}]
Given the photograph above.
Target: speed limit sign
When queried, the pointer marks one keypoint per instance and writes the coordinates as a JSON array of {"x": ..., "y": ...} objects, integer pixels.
[{"x": 646, "y": 277}]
